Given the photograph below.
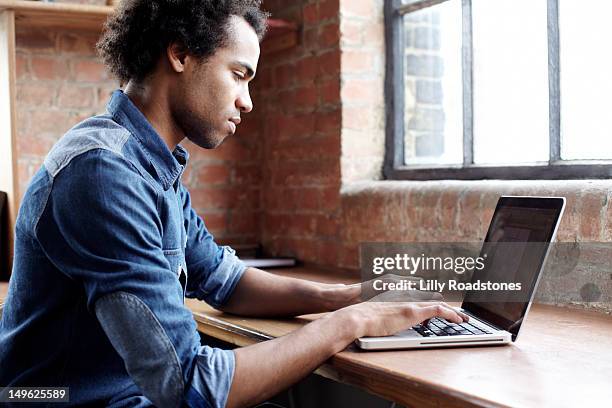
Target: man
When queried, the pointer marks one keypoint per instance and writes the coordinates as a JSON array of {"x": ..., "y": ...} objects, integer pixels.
[{"x": 107, "y": 244}]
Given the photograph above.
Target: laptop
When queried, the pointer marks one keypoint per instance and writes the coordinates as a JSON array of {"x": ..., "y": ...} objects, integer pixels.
[{"x": 525, "y": 227}]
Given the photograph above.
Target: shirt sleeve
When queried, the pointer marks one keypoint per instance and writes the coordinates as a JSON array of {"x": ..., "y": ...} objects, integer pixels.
[
  {"x": 214, "y": 270},
  {"x": 101, "y": 227}
]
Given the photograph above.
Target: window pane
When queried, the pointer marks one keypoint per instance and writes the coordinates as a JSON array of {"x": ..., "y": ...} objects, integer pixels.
[
  {"x": 433, "y": 120},
  {"x": 585, "y": 67},
  {"x": 510, "y": 81}
]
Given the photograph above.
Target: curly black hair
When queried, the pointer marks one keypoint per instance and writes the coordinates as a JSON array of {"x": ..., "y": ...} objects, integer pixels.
[{"x": 140, "y": 30}]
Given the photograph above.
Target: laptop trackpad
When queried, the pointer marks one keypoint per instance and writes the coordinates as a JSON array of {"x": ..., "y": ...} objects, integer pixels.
[{"x": 407, "y": 334}]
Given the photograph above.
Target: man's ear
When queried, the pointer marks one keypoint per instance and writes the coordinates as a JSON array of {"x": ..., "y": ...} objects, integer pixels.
[{"x": 176, "y": 54}]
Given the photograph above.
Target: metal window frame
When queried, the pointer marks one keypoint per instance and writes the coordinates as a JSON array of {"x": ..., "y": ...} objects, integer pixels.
[{"x": 394, "y": 167}]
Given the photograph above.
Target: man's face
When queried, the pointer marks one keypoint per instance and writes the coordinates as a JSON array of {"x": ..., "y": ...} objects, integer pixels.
[{"x": 210, "y": 96}]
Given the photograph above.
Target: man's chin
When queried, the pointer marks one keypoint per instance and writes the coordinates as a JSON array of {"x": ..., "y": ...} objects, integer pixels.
[{"x": 209, "y": 142}]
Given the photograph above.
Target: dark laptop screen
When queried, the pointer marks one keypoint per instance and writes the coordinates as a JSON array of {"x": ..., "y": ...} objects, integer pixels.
[{"x": 515, "y": 246}]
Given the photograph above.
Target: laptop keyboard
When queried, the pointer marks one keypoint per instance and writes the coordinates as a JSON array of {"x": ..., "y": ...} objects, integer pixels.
[{"x": 440, "y": 327}]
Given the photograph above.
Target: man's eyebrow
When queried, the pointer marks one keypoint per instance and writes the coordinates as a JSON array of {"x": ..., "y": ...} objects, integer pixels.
[{"x": 250, "y": 72}]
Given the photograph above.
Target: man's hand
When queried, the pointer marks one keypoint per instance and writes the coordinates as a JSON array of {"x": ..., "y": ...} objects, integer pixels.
[
  {"x": 264, "y": 369},
  {"x": 387, "y": 318}
]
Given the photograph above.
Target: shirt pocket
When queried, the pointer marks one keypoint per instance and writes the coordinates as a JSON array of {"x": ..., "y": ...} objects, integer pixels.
[{"x": 176, "y": 260}]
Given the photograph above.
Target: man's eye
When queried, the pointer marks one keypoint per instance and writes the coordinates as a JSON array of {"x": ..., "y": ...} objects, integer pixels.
[{"x": 238, "y": 75}]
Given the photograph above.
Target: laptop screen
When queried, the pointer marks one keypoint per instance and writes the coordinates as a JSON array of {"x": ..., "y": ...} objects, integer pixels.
[{"x": 515, "y": 247}]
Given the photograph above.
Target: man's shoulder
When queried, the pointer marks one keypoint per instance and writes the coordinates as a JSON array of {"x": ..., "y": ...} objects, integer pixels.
[{"x": 97, "y": 132}]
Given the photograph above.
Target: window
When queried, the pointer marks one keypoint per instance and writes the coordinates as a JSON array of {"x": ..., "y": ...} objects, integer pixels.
[{"x": 498, "y": 89}]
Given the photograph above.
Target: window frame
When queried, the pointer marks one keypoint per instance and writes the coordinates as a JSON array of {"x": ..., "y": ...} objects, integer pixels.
[{"x": 394, "y": 163}]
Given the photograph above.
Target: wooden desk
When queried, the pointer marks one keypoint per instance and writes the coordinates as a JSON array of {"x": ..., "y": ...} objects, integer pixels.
[{"x": 563, "y": 358}]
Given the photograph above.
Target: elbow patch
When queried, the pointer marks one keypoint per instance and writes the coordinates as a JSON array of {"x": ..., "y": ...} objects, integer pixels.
[{"x": 141, "y": 341}]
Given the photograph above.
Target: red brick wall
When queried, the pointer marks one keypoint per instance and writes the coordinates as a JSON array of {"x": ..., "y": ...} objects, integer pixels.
[
  {"x": 59, "y": 83},
  {"x": 297, "y": 97},
  {"x": 321, "y": 191}
]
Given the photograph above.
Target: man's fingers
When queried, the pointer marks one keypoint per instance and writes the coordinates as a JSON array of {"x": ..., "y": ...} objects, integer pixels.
[{"x": 442, "y": 311}]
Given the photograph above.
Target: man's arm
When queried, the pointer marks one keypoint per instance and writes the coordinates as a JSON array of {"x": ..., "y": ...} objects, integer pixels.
[
  {"x": 264, "y": 369},
  {"x": 259, "y": 293}
]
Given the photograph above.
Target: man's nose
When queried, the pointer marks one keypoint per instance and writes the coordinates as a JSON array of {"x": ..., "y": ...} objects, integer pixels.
[{"x": 244, "y": 102}]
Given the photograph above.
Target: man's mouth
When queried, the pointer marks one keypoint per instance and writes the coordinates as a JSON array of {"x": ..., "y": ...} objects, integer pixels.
[{"x": 234, "y": 122}]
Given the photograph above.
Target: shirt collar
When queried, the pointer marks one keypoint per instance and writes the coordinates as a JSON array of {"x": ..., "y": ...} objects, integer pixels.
[{"x": 168, "y": 165}]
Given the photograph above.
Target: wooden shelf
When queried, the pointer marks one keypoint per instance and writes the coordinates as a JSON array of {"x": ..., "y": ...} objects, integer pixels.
[
  {"x": 60, "y": 15},
  {"x": 281, "y": 34}
]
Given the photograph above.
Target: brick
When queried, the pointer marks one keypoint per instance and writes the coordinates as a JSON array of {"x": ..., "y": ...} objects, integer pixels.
[
  {"x": 265, "y": 78},
  {"x": 22, "y": 69},
  {"x": 304, "y": 249},
  {"x": 307, "y": 173},
  {"x": 243, "y": 222},
  {"x": 76, "y": 97},
  {"x": 306, "y": 69},
  {"x": 469, "y": 210},
  {"x": 592, "y": 205},
  {"x": 349, "y": 256},
  {"x": 328, "y": 122},
  {"x": 302, "y": 225},
  {"x": 42, "y": 121},
  {"x": 608, "y": 219},
  {"x": 224, "y": 198},
  {"x": 232, "y": 149},
  {"x": 35, "y": 40},
  {"x": 276, "y": 224},
  {"x": 213, "y": 174},
  {"x": 352, "y": 33},
  {"x": 49, "y": 68},
  {"x": 569, "y": 226},
  {"x": 310, "y": 13},
  {"x": 284, "y": 75},
  {"x": 306, "y": 198},
  {"x": 306, "y": 97},
  {"x": 360, "y": 90},
  {"x": 330, "y": 198},
  {"x": 34, "y": 145},
  {"x": 327, "y": 226},
  {"x": 374, "y": 34},
  {"x": 329, "y": 9},
  {"x": 357, "y": 61},
  {"x": 358, "y": 8},
  {"x": 329, "y": 63},
  {"x": 328, "y": 253},
  {"x": 448, "y": 210},
  {"x": 311, "y": 39},
  {"x": 23, "y": 176},
  {"x": 104, "y": 92},
  {"x": 330, "y": 91},
  {"x": 77, "y": 43},
  {"x": 305, "y": 149},
  {"x": 329, "y": 35},
  {"x": 33, "y": 94},
  {"x": 89, "y": 71},
  {"x": 356, "y": 118},
  {"x": 215, "y": 222},
  {"x": 291, "y": 126},
  {"x": 249, "y": 174}
]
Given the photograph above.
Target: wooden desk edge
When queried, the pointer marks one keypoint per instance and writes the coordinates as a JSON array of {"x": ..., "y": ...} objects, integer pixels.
[{"x": 342, "y": 369}]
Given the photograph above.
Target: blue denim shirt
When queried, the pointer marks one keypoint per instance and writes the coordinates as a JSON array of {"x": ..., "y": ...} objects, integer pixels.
[{"x": 107, "y": 246}]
